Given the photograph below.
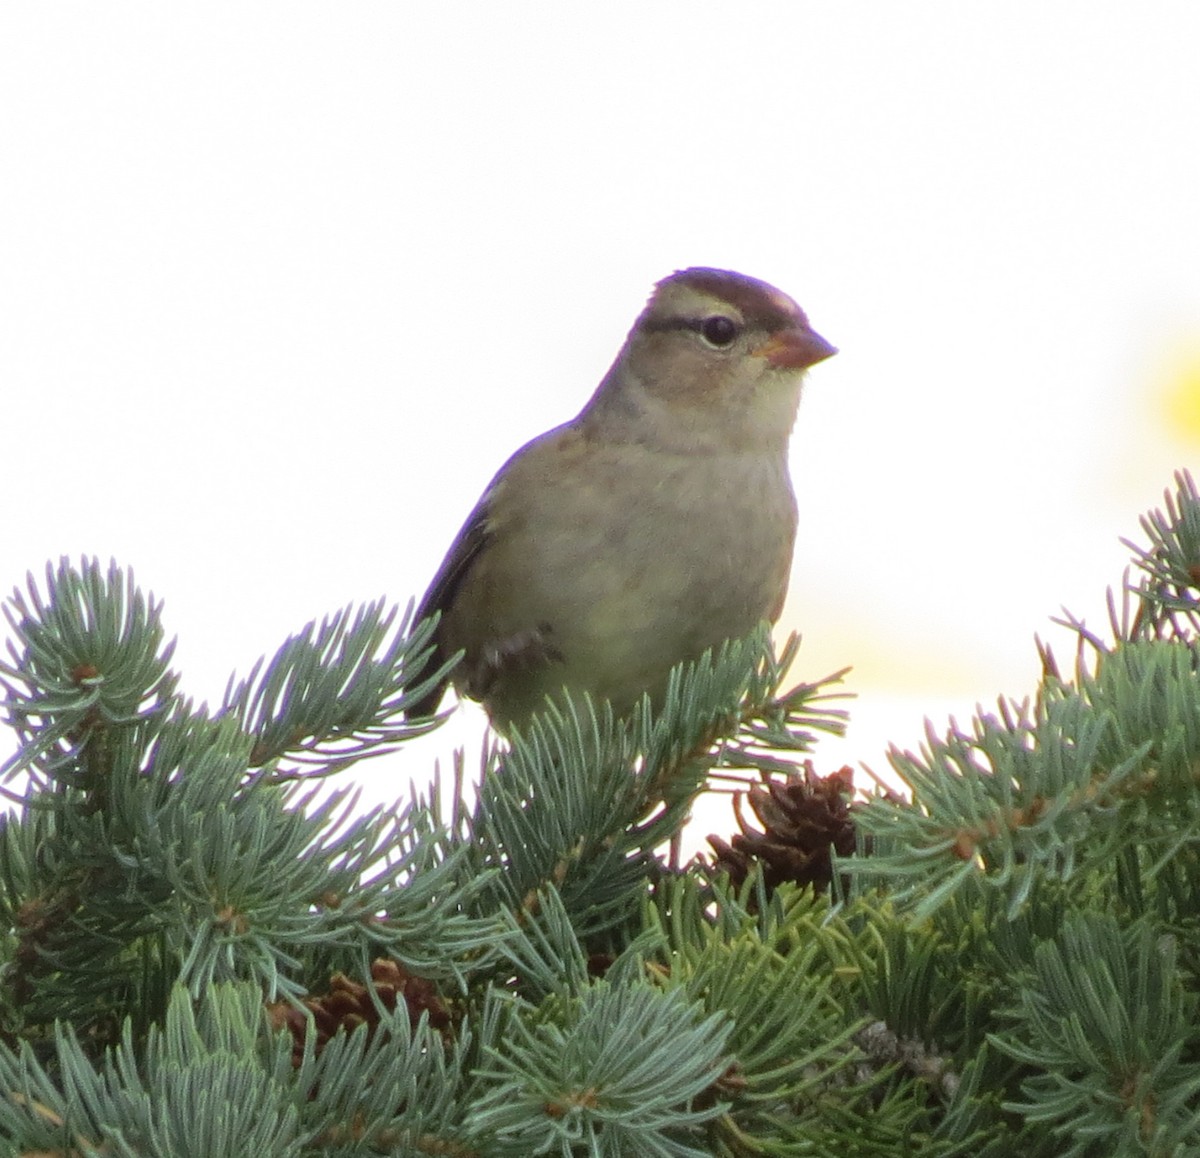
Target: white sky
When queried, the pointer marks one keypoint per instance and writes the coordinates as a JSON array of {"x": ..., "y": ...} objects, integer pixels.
[{"x": 281, "y": 285}]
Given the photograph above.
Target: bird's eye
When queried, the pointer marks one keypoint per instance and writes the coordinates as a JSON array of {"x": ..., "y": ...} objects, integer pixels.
[{"x": 719, "y": 331}]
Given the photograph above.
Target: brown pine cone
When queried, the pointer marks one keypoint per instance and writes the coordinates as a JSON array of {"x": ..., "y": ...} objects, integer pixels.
[
  {"x": 348, "y": 1004},
  {"x": 805, "y": 818}
]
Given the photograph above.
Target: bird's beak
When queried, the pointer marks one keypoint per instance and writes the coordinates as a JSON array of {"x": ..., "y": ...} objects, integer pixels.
[{"x": 795, "y": 349}]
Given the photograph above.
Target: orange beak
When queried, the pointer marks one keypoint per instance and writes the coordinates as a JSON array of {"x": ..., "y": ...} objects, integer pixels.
[{"x": 795, "y": 349}]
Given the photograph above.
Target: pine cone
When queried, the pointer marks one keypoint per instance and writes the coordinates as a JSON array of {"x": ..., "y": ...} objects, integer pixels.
[
  {"x": 349, "y": 1004},
  {"x": 805, "y": 818}
]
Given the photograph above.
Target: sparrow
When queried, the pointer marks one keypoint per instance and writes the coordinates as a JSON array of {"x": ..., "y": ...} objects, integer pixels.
[{"x": 656, "y": 524}]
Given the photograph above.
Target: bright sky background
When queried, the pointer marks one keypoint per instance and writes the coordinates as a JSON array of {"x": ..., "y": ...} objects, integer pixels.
[{"x": 281, "y": 286}]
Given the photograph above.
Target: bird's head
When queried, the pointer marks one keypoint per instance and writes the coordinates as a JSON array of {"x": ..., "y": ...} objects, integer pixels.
[{"x": 715, "y": 360}]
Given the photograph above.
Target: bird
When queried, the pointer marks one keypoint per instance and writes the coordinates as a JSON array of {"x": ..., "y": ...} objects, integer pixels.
[{"x": 656, "y": 524}]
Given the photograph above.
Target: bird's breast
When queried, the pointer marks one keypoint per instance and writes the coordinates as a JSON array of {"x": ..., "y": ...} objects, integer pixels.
[{"x": 643, "y": 560}]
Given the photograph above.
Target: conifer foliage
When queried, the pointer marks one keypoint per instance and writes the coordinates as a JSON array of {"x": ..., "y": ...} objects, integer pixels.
[{"x": 206, "y": 949}]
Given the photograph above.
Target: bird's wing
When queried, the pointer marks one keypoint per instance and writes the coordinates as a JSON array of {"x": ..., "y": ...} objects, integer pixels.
[
  {"x": 470, "y": 541},
  {"x": 476, "y": 536}
]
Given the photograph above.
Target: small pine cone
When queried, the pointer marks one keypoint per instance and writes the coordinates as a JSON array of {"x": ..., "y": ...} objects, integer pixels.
[
  {"x": 805, "y": 819},
  {"x": 349, "y": 1004},
  {"x": 393, "y": 981}
]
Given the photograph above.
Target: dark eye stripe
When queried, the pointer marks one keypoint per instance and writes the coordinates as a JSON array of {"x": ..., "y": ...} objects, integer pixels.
[{"x": 701, "y": 326}]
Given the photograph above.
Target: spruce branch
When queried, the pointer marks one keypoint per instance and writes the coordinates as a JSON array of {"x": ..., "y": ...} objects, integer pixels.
[
  {"x": 1106, "y": 1031},
  {"x": 336, "y": 692},
  {"x": 618, "y": 1071},
  {"x": 200, "y": 1089},
  {"x": 775, "y": 720},
  {"x": 771, "y": 975},
  {"x": 545, "y": 953},
  {"x": 1170, "y": 565},
  {"x": 789, "y": 970},
  {"x": 150, "y": 851},
  {"x": 1015, "y": 971},
  {"x": 87, "y": 656},
  {"x": 217, "y": 1078},
  {"x": 582, "y": 801},
  {"x": 1061, "y": 788},
  {"x": 1023, "y": 795}
]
